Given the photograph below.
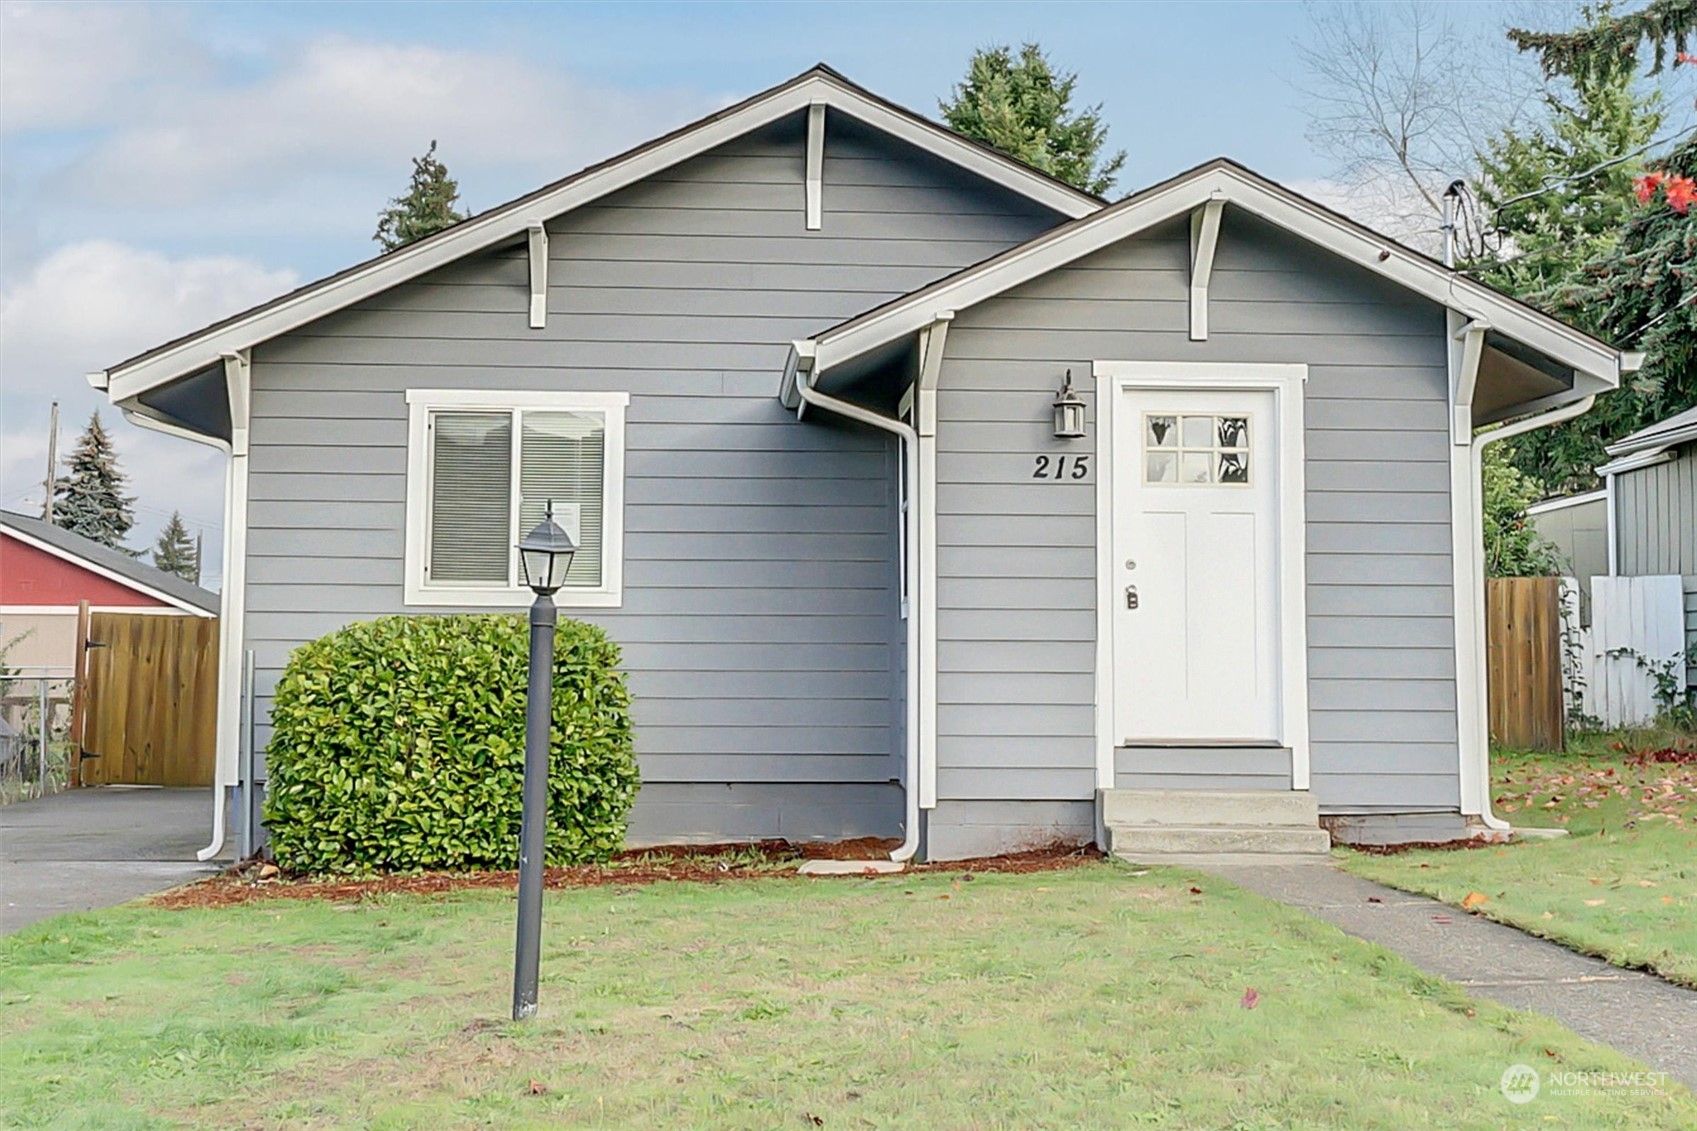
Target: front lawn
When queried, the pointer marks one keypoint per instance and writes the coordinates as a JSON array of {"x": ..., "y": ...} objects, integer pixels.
[
  {"x": 1622, "y": 886},
  {"x": 1093, "y": 997}
]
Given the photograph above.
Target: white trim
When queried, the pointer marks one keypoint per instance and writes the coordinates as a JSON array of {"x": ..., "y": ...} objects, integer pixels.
[
  {"x": 537, "y": 245},
  {"x": 71, "y": 610},
  {"x": 1469, "y": 340},
  {"x": 935, "y": 339},
  {"x": 1637, "y": 461},
  {"x": 1614, "y": 528},
  {"x": 1204, "y": 241},
  {"x": 1566, "y": 501},
  {"x": 511, "y": 221},
  {"x": 1287, "y": 383},
  {"x": 420, "y": 404},
  {"x": 131, "y": 584},
  {"x": 815, "y": 166},
  {"x": 1244, "y": 190}
]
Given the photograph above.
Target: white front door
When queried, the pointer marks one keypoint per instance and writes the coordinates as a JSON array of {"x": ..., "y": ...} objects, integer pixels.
[{"x": 1196, "y": 558}]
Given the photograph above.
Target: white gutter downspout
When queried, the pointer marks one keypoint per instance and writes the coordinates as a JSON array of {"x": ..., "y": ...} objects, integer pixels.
[
  {"x": 910, "y": 439},
  {"x": 231, "y": 591},
  {"x": 1480, "y": 724}
]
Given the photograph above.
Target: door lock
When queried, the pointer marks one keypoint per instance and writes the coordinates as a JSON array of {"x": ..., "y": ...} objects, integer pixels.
[{"x": 1131, "y": 596}]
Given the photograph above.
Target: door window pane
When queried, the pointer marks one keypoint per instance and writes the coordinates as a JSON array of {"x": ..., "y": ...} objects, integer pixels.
[{"x": 1196, "y": 450}]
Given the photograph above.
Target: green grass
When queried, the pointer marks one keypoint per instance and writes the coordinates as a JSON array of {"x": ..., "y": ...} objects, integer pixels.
[
  {"x": 1090, "y": 998},
  {"x": 1622, "y": 886}
]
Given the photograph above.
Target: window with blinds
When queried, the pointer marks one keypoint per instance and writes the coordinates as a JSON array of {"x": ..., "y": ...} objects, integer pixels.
[{"x": 493, "y": 474}]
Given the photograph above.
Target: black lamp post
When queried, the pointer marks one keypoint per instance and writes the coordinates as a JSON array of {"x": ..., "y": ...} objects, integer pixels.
[{"x": 546, "y": 555}]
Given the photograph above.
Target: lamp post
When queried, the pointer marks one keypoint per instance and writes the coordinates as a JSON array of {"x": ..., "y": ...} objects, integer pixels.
[{"x": 546, "y": 554}]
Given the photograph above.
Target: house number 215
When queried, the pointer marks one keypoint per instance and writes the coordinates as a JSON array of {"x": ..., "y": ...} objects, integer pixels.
[{"x": 1061, "y": 467}]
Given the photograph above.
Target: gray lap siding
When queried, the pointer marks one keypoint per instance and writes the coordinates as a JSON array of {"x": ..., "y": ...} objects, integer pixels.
[
  {"x": 1016, "y": 556},
  {"x": 758, "y": 621}
]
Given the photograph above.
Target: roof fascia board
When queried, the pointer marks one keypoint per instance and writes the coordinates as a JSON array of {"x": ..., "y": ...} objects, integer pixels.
[
  {"x": 101, "y": 571},
  {"x": 1376, "y": 253},
  {"x": 512, "y": 221},
  {"x": 1659, "y": 441}
]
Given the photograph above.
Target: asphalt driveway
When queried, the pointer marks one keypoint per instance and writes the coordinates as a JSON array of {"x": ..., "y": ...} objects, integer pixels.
[{"x": 88, "y": 848}]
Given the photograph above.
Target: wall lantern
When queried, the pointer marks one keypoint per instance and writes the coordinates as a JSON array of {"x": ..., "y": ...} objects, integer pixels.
[
  {"x": 546, "y": 554},
  {"x": 1069, "y": 412}
]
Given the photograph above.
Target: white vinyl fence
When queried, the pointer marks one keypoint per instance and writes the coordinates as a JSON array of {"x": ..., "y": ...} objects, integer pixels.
[{"x": 1636, "y": 623}]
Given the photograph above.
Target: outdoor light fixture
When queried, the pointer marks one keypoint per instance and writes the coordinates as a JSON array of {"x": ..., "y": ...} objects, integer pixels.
[
  {"x": 1069, "y": 412},
  {"x": 546, "y": 555}
]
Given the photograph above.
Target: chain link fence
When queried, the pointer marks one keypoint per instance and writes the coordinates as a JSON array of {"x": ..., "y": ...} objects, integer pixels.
[{"x": 35, "y": 732}]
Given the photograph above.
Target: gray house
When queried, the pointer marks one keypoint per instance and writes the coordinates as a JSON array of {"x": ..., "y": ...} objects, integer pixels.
[{"x": 927, "y": 496}]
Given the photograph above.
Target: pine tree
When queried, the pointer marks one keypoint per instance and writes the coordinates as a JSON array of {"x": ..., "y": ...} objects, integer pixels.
[
  {"x": 1022, "y": 107},
  {"x": 427, "y": 207},
  {"x": 174, "y": 553},
  {"x": 1560, "y": 194},
  {"x": 1611, "y": 43},
  {"x": 90, "y": 500}
]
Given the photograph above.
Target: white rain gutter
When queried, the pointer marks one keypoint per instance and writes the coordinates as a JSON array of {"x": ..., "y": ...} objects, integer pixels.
[
  {"x": 219, "y": 779},
  {"x": 1481, "y": 722},
  {"x": 802, "y": 368}
]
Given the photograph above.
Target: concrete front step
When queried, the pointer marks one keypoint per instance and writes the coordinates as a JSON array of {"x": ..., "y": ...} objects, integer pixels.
[
  {"x": 1151, "y": 843},
  {"x": 1196, "y": 808}
]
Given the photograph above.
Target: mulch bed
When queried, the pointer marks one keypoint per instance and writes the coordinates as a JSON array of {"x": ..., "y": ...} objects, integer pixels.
[{"x": 252, "y": 882}]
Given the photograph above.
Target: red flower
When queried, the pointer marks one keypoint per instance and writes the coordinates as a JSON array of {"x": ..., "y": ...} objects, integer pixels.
[
  {"x": 1645, "y": 187},
  {"x": 1681, "y": 193},
  {"x": 1685, "y": 57}
]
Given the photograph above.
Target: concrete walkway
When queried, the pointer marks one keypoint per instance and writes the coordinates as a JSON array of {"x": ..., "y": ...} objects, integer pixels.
[
  {"x": 88, "y": 848},
  {"x": 1643, "y": 1016}
]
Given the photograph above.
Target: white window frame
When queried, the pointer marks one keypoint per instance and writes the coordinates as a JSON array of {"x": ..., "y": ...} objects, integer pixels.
[{"x": 420, "y": 404}]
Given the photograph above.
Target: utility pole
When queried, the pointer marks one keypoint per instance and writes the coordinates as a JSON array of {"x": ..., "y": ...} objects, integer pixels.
[
  {"x": 198, "y": 536},
  {"x": 52, "y": 463}
]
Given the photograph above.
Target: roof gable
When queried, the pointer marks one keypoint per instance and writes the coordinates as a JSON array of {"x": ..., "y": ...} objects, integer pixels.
[
  {"x": 108, "y": 563},
  {"x": 1241, "y": 188},
  {"x": 819, "y": 85}
]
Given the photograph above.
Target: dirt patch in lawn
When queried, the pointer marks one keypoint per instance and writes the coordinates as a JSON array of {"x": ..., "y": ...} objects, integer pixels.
[{"x": 691, "y": 863}]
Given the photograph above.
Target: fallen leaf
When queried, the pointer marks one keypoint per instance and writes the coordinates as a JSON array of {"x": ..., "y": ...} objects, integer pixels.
[
  {"x": 537, "y": 1088},
  {"x": 1667, "y": 899},
  {"x": 1647, "y": 883},
  {"x": 1251, "y": 999},
  {"x": 1195, "y": 891},
  {"x": 815, "y": 1120},
  {"x": 1474, "y": 899},
  {"x": 1374, "y": 899},
  {"x": 267, "y": 871},
  {"x": 1549, "y": 914},
  {"x": 1595, "y": 902},
  {"x": 944, "y": 896}
]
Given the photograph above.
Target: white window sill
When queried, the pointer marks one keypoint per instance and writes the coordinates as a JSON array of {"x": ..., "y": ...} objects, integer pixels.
[{"x": 443, "y": 598}]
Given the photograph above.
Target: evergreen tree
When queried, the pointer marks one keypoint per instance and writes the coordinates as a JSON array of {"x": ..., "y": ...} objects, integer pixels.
[
  {"x": 1512, "y": 547},
  {"x": 175, "y": 553},
  {"x": 90, "y": 500},
  {"x": 428, "y": 206},
  {"x": 1560, "y": 193},
  {"x": 1022, "y": 106},
  {"x": 1609, "y": 42}
]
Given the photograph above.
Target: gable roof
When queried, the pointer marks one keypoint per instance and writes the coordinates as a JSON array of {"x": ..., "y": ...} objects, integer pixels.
[
  {"x": 1242, "y": 188},
  {"x": 110, "y": 563},
  {"x": 1663, "y": 434},
  {"x": 819, "y": 84}
]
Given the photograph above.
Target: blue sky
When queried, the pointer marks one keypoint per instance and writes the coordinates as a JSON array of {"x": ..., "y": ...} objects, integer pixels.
[{"x": 162, "y": 165}]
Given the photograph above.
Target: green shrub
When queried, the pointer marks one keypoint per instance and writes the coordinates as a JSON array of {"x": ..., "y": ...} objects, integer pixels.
[{"x": 398, "y": 744}]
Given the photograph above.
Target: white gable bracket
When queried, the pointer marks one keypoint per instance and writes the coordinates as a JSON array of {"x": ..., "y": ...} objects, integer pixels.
[
  {"x": 1470, "y": 339},
  {"x": 538, "y": 275},
  {"x": 1204, "y": 240},
  {"x": 236, "y": 388},
  {"x": 815, "y": 166},
  {"x": 931, "y": 342}
]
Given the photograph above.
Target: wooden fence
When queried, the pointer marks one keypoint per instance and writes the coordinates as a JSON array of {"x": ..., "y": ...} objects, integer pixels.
[
  {"x": 148, "y": 709},
  {"x": 1523, "y": 653}
]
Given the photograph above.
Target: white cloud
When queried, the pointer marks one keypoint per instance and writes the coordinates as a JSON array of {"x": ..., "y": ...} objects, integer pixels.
[
  {"x": 87, "y": 306},
  {"x": 69, "y": 64},
  {"x": 362, "y": 109}
]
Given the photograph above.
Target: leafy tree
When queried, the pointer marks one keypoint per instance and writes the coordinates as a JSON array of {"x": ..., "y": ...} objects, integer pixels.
[
  {"x": 90, "y": 500},
  {"x": 1559, "y": 194},
  {"x": 428, "y": 206},
  {"x": 1022, "y": 106},
  {"x": 1512, "y": 547},
  {"x": 175, "y": 552}
]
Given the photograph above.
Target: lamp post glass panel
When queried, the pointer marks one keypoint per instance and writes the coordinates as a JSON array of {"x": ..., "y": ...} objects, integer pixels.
[{"x": 546, "y": 554}]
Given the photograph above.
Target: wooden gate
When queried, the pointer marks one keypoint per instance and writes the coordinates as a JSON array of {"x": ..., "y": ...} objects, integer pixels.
[
  {"x": 1523, "y": 662},
  {"x": 148, "y": 710}
]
